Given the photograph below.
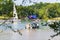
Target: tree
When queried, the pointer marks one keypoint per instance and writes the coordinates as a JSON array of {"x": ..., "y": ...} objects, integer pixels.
[{"x": 6, "y": 7}]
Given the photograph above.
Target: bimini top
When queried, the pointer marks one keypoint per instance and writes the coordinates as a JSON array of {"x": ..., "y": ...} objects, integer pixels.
[{"x": 32, "y": 16}]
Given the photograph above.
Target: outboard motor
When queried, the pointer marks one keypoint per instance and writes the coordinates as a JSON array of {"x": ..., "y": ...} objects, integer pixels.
[{"x": 35, "y": 25}]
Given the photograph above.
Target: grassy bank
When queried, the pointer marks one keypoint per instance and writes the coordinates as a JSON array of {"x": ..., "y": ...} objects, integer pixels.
[
  {"x": 4, "y": 17},
  {"x": 57, "y": 18}
]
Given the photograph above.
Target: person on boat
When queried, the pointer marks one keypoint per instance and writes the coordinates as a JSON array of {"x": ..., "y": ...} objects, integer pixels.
[{"x": 28, "y": 26}]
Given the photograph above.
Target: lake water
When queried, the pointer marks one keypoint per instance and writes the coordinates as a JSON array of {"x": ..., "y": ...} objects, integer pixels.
[
  {"x": 43, "y": 33},
  {"x": 19, "y": 25}
]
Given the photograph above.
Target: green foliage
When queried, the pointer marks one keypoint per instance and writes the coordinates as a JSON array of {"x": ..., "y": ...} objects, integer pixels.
[
  {"x": 42, "y": 10},
  {"x": 6, "y": 7}
]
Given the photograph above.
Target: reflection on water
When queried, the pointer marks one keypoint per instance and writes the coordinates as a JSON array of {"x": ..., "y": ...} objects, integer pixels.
[
  {"x": 19, "y": 25},
  {"x": 27, "y": 34},
  {"x": 32, "y": 34}
]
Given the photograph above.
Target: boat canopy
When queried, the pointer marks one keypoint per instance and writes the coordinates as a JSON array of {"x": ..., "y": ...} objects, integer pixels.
[{"x": 32, "y": 16}]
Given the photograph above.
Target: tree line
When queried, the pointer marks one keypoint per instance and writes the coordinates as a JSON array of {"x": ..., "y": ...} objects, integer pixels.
[{"x": 42, "y": 10}]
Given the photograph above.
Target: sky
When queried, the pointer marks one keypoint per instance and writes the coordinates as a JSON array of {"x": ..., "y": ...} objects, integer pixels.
[{"x": 18, "y": 2}]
